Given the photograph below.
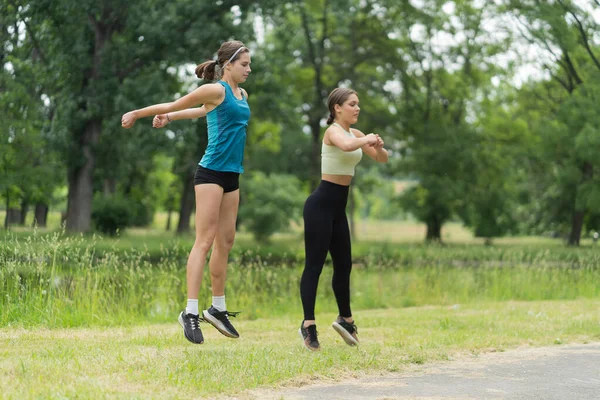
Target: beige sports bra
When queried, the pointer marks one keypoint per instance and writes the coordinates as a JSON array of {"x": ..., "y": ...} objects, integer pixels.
[{"x": 335, "y": 161}]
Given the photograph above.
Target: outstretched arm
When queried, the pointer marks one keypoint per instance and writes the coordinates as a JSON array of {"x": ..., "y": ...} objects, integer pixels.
[
  {"x": 161, "y": 120},
  {"x": 210, "y": 93}
]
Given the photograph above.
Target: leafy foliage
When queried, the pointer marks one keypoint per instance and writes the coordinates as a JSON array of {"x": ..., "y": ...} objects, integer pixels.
[
  {"x": 112, "y": 214},
  {"x": 271, "y": 203}
]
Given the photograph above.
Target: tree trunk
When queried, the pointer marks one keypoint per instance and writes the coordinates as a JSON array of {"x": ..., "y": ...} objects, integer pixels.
[
  {"x": 434, "y": 229},
  {"x": 109, "y": 187},
  {"x": 79, "y": 201},
  {"x": 188, "y": 196},
  {"x": 24, "y": 210},
  {"x": 80, "y": 174},
  {"x": 187, "y": 204},
  {"x": 40, "y": 216},
  {"x": 170, "y": 212},
  {"x": 315, "y": 155},
  {"x": 316, "y": 57},
  {"x": 576, "y": 225},
  {"x": 13, "y": 216},
  {"x": 579, "y": 215},
  {"x": 7, "y": 205}
]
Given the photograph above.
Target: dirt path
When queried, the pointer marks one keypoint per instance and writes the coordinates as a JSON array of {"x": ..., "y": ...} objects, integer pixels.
[{"x": 560, "y": 372}]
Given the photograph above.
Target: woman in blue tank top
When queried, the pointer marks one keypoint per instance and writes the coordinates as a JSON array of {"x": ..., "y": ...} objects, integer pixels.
[{"x": 225, "y": 105}]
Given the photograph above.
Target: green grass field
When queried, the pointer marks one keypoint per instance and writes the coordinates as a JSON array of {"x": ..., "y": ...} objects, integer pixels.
[
  {"x": 88, "y": 316},
  {"x": 154, "y": 361}
]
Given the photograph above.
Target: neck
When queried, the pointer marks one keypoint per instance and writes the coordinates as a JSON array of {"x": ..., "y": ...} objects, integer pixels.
[
  {"x": 233, "y": 84},
  {"x": 344, "y": 125}
]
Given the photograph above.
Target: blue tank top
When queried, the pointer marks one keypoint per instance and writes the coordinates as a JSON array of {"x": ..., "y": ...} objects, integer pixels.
[{"x": 227, "y": 125}]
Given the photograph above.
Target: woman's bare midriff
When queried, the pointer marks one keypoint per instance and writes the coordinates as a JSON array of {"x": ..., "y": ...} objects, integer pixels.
[{"x": 343, "y": 180}]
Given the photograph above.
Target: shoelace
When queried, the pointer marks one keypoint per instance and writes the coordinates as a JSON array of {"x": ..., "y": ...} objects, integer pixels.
[
  {"x": 349, "y": 325},
  {"x": 228, "y": 314},
  {"x": 195, "y": 321},
  {"x": 312, "y": 333}
]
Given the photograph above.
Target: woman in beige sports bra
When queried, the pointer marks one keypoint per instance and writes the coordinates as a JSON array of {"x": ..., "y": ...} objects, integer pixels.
[{"x": 325, "y": 222}]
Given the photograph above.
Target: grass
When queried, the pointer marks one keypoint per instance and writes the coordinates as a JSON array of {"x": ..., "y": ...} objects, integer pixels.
[
  {"x": 67, "y": 281},
  {"x": 153, "y": 361},
  {"x": 87, "y": 316}
]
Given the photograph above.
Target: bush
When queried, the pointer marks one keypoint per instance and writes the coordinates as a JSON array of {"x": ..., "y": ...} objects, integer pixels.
[
  {"x": 269, "y": 203},
  {"x": 142, "y": 214},
  {"x": 111, "y": 214}
]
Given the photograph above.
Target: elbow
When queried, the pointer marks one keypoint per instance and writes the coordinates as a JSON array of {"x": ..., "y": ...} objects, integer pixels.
[{"x": 382, "y": 158}]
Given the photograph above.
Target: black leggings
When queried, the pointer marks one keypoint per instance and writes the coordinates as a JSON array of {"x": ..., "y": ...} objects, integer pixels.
[{"x": 326, "y": 229}]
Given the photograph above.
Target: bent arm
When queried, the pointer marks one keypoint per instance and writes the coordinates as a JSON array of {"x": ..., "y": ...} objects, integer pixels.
[
  {"x": 376, "y": 152},
  {"x": 381, "y": 155},
  {"x": 346, "y": 143}
]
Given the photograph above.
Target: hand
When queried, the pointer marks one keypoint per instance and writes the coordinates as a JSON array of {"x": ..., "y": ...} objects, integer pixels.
[
  {"x": 371, "y": 139},
  {"x": 128, "y": 119},
  {"x": 379, "y": 144},
  {"x": 160, "y": 121}
]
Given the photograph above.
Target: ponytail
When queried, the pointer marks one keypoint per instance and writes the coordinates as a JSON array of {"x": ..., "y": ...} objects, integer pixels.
[
  {"x": 330, "y": 119},
  {"x": 207, "y": 70}
]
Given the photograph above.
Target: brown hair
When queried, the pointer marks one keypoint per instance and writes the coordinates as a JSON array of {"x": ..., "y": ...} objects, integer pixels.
[
  {"x": 338, "y": 96},
  {"x": 207, "y": 70}
]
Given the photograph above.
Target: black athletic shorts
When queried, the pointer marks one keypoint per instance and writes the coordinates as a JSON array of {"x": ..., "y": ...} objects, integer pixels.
[{"x": 229, "y": 181}]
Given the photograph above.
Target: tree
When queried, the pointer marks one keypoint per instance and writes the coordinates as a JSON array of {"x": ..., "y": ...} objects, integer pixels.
[
  {"x": 564, "y": 30},
  {"x": 441, "y": 86},
  {"x": 108, "y": 57},
  {"x": 338, "y": 43},
  {"x": 271, "y": 203},
  {"x": 30, "y": 168}
]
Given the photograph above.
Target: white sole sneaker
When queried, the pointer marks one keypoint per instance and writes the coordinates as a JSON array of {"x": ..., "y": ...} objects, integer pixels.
[
  {"x": 217, "y": 324},
  {"x": 348, "y": 338},
  {"x": 182, "y": 323}
]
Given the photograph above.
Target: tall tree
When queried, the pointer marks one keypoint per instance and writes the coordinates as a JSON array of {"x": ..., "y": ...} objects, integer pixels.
[
  {"x": 564, "y": 29},
  {"x": 109, "y": 56},
  {"x": 450, "y": 60},
  {"x": 321, "y": 44},
  {"x": 29, "y": 165}
]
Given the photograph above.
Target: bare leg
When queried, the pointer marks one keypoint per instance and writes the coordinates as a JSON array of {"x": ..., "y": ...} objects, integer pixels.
[
  {"x": 208, "y": 206},
  {"x": 223, "y": 242}
]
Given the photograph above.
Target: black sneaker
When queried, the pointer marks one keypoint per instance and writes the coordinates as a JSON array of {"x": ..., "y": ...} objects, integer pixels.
[
  {"x": 309, "y": 337},
  {"x": 347, "y": 331},
  {"x": 191, "y": 327},
  {"x": 220, "y": 320}
]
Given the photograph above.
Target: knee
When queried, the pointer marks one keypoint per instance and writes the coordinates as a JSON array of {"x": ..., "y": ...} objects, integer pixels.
[
  {"x": 224, "y": 243},
  {"x": 312, "y": 272},
  {"x": 342, "y": 273},
  {"x": 203, "y": 243}
]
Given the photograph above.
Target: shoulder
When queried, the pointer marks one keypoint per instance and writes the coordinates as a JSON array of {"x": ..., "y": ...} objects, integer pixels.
[
  {"x": 216, "y": 87},
  {"x": 244, "y": 92},
  {"x": 212, "y": 93},
  {"x": 333, "y": 129},
  {"x": 356, "y": 132}
]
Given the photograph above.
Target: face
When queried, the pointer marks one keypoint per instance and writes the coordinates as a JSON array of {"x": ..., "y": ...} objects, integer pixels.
[
  {"x": 348, "y": 111},
  {"x": 240, "y": 68}
]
